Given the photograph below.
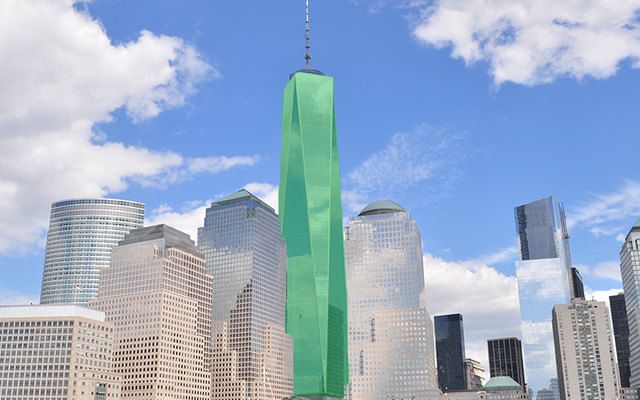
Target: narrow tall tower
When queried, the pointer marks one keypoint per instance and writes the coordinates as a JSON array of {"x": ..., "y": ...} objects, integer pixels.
[
  {"x": 544, "y": 279},
  {"x": 311, "y": 224}
]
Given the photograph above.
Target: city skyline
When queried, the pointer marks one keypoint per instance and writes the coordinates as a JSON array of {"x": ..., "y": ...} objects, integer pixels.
[{"x": 196, "y": 146}]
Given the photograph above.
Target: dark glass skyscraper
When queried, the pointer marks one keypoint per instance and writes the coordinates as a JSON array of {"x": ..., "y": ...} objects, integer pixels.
[
  {"x": 311, "y": 224},
  {"x": 450, "y": 352},
  {"x": 578, "y": 286},
  {"x": 621, "y": 334},
  {"x": 505, "y": 359}
]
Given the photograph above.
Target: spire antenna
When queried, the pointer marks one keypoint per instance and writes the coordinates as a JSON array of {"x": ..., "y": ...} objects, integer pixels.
[{"x": 307, "y": 56}]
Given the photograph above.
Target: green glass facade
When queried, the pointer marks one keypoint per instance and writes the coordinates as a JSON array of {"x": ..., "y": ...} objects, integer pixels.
[{"x": 311, "y": 224}]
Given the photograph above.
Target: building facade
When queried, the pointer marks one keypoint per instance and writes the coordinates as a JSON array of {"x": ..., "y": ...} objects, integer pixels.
[
  {"x": 544, "y": 279},
  {"x": 56, "y": 352},
  {"x": 505, "y": 359},
  {"x": 621, "y": 335},
  {"x": 311, "y": 222},
  {"x": 584, "y": 351},
  {"x": 245, "y": 255},
  {"x": 390, "y": 331},
  {"x": 158, "y": 295},
  {"x": 476, "y": 374},
  {"x": 450, "y": 353},
  {"x": 578, "y": 285},
  {"x": 81, "y": 234},
  {"x": 630, "y": 271},
  {"x": 497, "y": 388}
]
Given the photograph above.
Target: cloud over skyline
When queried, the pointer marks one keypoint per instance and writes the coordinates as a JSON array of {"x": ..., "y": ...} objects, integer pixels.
[
  {"x": 534, "y": 42},
  {"x": 61, "y": 74}
]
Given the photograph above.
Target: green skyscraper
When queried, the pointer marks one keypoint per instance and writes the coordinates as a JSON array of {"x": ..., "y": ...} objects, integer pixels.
[{"x": 311, "y": 224}]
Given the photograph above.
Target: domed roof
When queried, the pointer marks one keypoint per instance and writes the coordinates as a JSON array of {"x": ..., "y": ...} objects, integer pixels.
[
  {"x": 382, "y": 207},
  {"x": 500, "y": 383}
]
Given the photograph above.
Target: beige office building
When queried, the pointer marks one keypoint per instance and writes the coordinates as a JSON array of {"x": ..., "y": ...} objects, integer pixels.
[
  {"x": 585, "y": 357},
  {"x": 158, "y": 296},
  {"x": 56, "y": 352}
]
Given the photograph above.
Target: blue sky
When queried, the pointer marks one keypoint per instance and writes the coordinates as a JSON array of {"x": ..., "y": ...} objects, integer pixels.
[{"x": 440, "y": 106}]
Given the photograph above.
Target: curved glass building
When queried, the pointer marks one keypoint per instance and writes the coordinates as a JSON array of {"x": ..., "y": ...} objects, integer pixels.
[
  {"x": 81, "y": 234},
  {"x": 391, "y": 353}
]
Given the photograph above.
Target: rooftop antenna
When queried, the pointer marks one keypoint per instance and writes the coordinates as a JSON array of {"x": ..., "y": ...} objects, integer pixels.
[{"x": 307, "y": 56}]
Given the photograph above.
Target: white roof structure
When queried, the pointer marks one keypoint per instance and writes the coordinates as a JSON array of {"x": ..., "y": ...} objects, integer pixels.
[{"x": 50, "y": 311}]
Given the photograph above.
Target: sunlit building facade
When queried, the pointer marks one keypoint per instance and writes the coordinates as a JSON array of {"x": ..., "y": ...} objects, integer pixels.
[
  {"x": 81, "y": 234},
  {"x": 158, "y": 295},
  {"x": 56, "y": 352},
  {"x": 245, "y": 255},
  {"x": 544, "y": 280},
  {"x": 585, "y": 356},
  {"x": 390, "y": 331}
]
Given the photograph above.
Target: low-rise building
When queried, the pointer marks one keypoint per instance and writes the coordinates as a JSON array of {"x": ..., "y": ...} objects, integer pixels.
[{"x": 56, "y": 352}]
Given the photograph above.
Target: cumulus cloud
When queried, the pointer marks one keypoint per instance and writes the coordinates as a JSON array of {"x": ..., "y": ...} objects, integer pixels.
[
  {"x": 532, "y": 42},
  {"x": 187, "y": 218},
  {"x": 427, "y": 156},
  {"x": 605, "y": 270},
  {"x": 190, "y": 216},
  {"x": 60, "y": 75},
  {"x": 608, "y": 214},
  {"x": 265, "y": 191},
  {"x": 487, "y": 299}
]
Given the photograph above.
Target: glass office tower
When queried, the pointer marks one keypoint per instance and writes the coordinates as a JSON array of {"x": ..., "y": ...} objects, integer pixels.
[
  {"x": 81, "y": 234},
  {"x": 245, "y": 255},
  {"x": 630, "y": 270},
  {"x": 390, "y": 331},
  {"x": 311, "y": 224},
  {"x": 544, "y": 280},
  {"x": 621, "y": 335},
  {"x": 450, "y": 353}
]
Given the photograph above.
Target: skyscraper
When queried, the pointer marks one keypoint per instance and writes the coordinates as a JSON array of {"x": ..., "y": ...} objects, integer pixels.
[
  {"x": 630, "y": 271},
  {"x": 505, "y": 359},
  {"x": 158, "y": 295},
  {"x": 390, "y": 331},
  {"x": 621, "y": 335},
  {"x": 578, "y": 286},
  {"x": 584, "y": 351},
  {"x": 81, "y": 234},
  {"x": 245, "y": 255},
  {"x": 544, "y": 280},
  {"x": 311, "y": 223},
  {"x": 450, "y": 352}
]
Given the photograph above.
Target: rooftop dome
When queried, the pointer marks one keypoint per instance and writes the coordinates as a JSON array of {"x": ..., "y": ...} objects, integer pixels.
[
  {"x": 382, "y": 207},
  {"x": 501, "y": 383}
]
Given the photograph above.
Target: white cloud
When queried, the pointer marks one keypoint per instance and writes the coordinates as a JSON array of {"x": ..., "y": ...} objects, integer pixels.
[
  {"x": 486, "y": 298},
  {"x": 11, "y": 297},
  {"x": 507, "y": 254},
  {"x": 604, "y": 270},
  {"x": 265, "y": 191},
  {"x": 531, "y": 42},
  {"x": 190, "y": 216},
  {"x": 427, "y": 156},
  {"x": 609, "y": 213},
  {"x": 187, "y": 219},
  {"x": 60, "y": 75},
  {"x": 600, "y": 295}
]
